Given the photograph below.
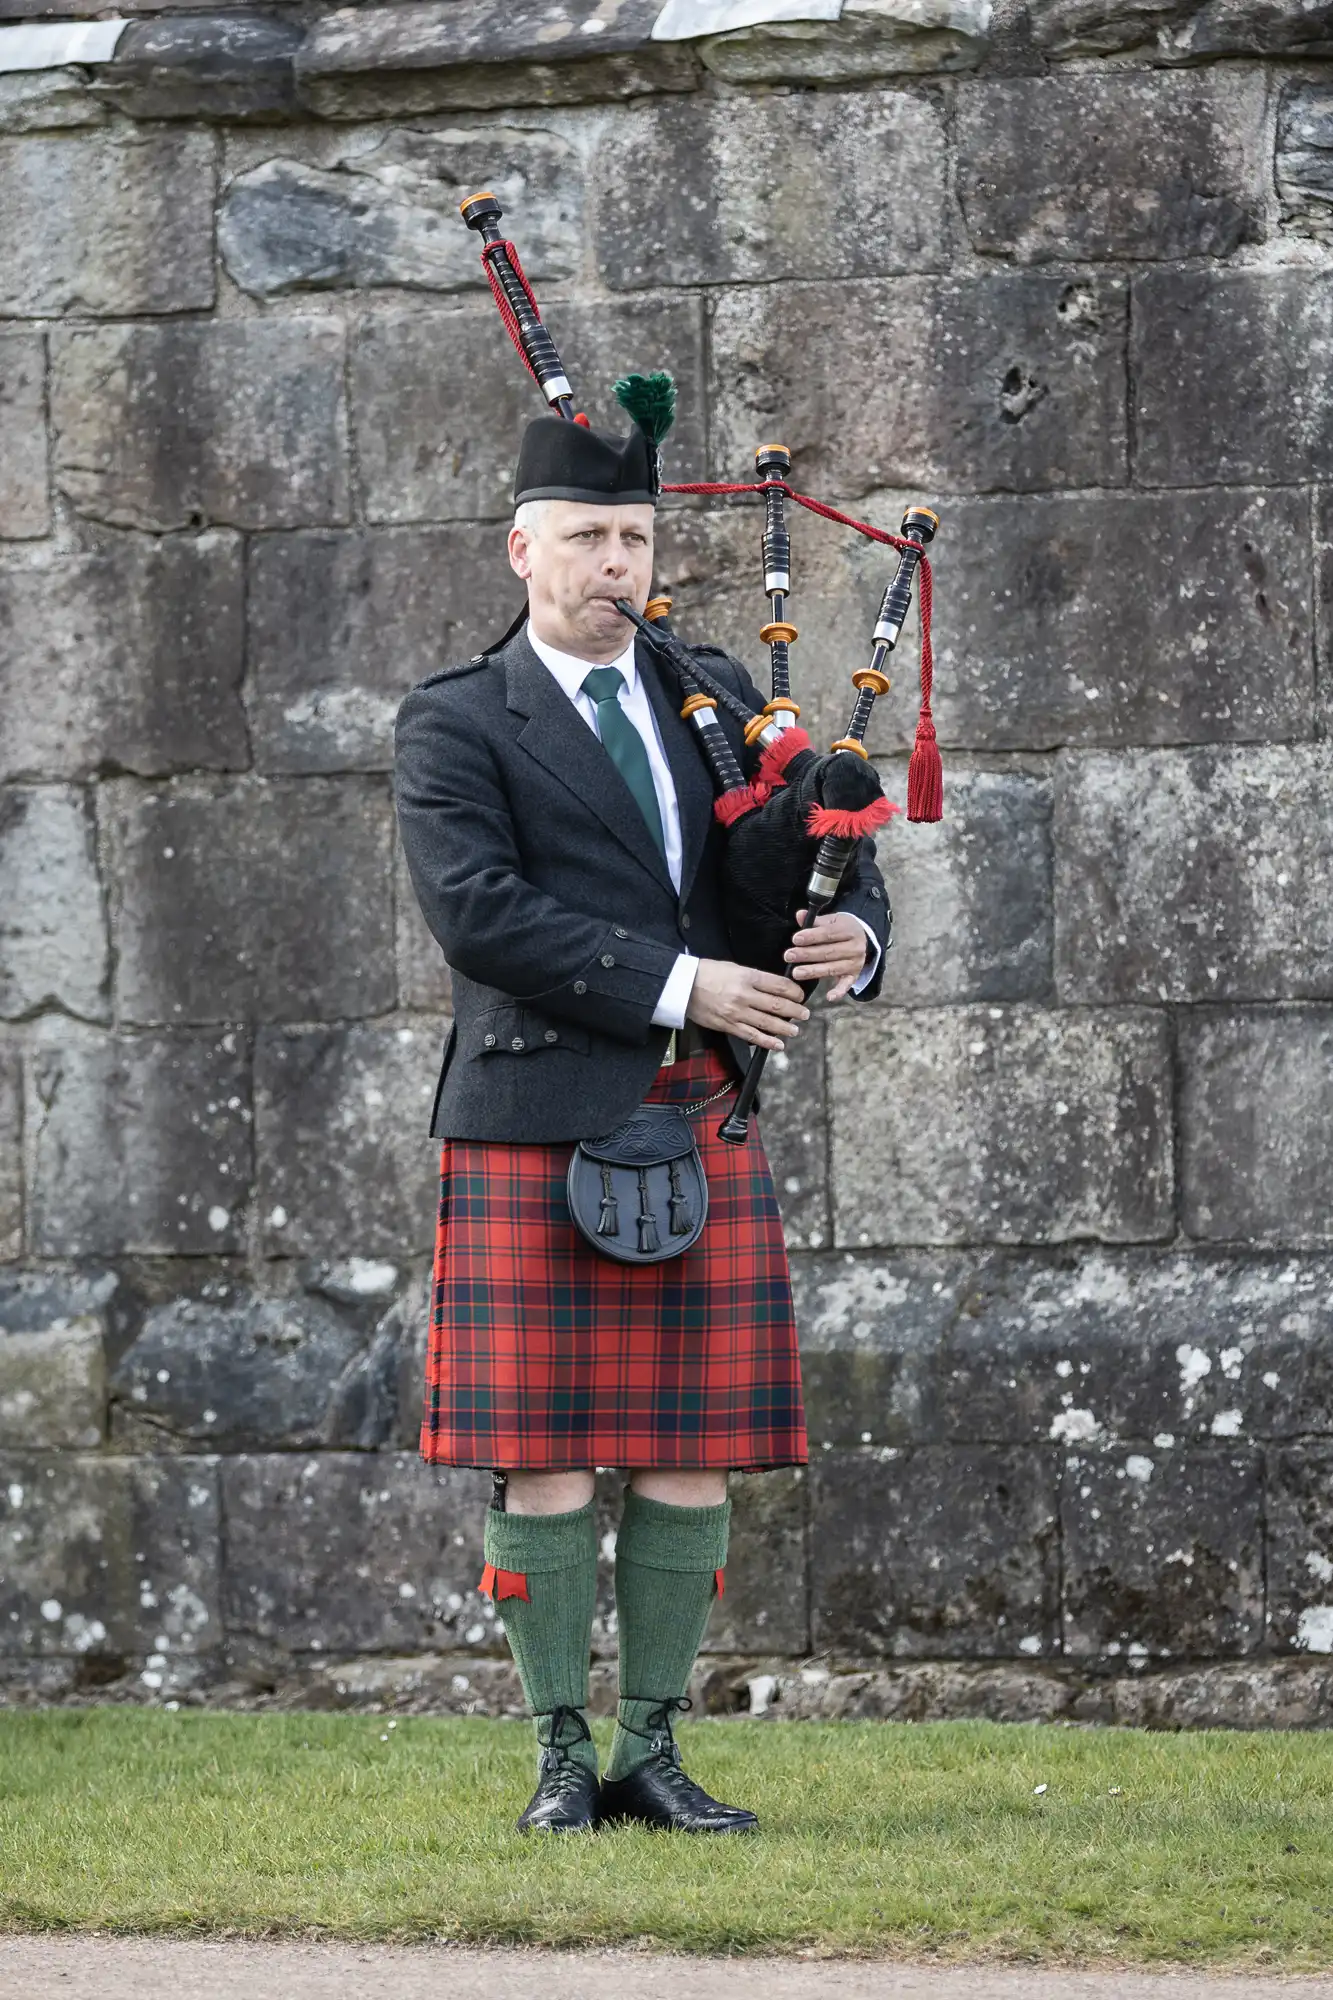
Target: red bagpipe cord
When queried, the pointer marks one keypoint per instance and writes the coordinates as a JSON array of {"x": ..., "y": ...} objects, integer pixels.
[
  {"x": 488, "y": 255},
  {"x": 925, "y": 773}
]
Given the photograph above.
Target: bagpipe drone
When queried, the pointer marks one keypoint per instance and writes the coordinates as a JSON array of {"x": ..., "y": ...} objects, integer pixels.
[{"x": 793, "y": 826}]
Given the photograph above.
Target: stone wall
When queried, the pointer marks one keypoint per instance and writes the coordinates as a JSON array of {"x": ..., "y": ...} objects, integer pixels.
[{"x": 1061, "y": 1206}]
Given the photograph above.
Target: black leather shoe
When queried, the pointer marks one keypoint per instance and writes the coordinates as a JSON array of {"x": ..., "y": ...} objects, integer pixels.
[
  {"x": 658, "y": 1793},
  {"x": 566, "y": 1798}
]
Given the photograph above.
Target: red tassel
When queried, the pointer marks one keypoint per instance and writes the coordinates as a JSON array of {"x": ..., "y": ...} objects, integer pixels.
[
  {"x": 498, "y": 1583},
  {"x": 850, "y": 825},
  {"x": 776, "y": 756},
  {"x": 720, "y": 1582},
  {"x": 741, "y": 799},
  {"x": 925, "y": 774}
]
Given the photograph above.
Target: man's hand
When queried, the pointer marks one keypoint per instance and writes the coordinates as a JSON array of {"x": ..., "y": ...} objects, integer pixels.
[
  {"x": 761, "y": 1008},
  {"x": 833, "y": 948}
]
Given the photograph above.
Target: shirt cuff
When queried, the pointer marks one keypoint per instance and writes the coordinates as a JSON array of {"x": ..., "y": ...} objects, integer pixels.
[
  {"x": 871, "y": 965},
  {"x": 675, "y": 995}
]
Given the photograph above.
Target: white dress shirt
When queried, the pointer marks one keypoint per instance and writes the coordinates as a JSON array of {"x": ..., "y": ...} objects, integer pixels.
[{"x": 571, "y": 673}]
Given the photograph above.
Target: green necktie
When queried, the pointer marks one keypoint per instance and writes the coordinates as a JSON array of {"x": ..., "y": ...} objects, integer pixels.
[{"x": 624, "y": 744}]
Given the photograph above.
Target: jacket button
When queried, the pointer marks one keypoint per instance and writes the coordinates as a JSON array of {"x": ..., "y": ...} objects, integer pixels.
[
  {"x": 607, "y": 958},
  {"x": 490, "y": 1041},
  {"x": 552, "y": 1035},
  {"x": 875, "y": 894},
  {"x": 517, "y": 1042},
  {"x": 684, "y": 923},
  {"x": 580, "y": 985},
  {"x": 619, "y": 933}
]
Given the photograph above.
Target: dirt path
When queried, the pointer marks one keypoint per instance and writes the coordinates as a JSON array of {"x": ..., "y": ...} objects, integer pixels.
[{"x": 103, "y": 1968}]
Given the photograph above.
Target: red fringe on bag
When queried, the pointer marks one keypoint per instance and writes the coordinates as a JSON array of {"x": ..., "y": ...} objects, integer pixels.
[
  {"x": 498, "y": 1583},
  {"x": 720, "y": 1582},
  {"x": 850, "y": 825},
  {"x": 776, "y": 756}
]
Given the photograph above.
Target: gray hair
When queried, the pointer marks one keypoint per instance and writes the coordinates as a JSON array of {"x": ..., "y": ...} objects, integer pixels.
[{"x": 530, "y": 514}]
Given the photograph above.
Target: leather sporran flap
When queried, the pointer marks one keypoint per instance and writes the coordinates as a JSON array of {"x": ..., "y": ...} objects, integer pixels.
[{"x": 639, "y": 1194}]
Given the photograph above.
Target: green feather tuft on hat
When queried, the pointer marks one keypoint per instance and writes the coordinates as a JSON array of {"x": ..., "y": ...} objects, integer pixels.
[{"x": 651, "y": 401}]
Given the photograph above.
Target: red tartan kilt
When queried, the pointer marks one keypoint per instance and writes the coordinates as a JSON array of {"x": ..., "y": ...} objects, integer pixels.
[{"x": 545, "y": 1355}]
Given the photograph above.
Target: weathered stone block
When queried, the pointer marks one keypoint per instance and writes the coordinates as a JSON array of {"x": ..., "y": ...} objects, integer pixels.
[
  {"x": 1014, "y": 381},
  {"x": 870, "y": 38},
  {"x": 1036, "y": 641},
  {"x": 936, "y": 1551},
  {"x": 346, "y": 1166},
  {"x": 1032, "y": 187},
  {"x": 764, "y": 1608},
  {"x": 1043, "y": 1126},
  {"x": 239, "y": 422},
  {"x": 1299, "y": 1519},
  {"x": 264, "y": 899},
  {"x": 420, "y": 451},
  {"x": 1256, "y": 1110},
  {"x": 367, "y": 62},
  {"x": 341, "y": 625},
  {"x": 237, "y": 1372},
  {"x": 424, "y": 980},
  {"x": 48, "y": 100},
  {"x": 1181, "y": 30},
  {"x": 1214, "y": 876},
  {"x": 1145, "y": 1348},
  {"x": 52, "y": 1360},
  {"x": 129, "y": 659},
  {"x": 1233, "y": 374},
  {"x": 109, "y": 1555},
  {"x": 11, "y": 1135},
  {"x": 1324, "y": 610},
  {"x": 719, "y": 190},
  {"x": 139, "y": 1145},
  {"x": 1162, "y": 1556},
  {"x": 1304, "y": 163},
  {"x": 53, "y": 939},
  {"x": 794, "y": 1122},
  {"x": 344, "y": 1552},
  {"x": 53, "y": 1388},
  {"x": 971, "y": 895},
  {"x": 234, "y": 66},
  {"x": 106, "y": 224},
  {"x": 24, "y": 507},
  {"x": 388, "y": 214}
]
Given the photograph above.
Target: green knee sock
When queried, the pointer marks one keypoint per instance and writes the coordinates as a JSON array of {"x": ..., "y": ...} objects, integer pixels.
[
  {"x": 666, "y": 1564},
  {"x": 549, "y": 1631}
]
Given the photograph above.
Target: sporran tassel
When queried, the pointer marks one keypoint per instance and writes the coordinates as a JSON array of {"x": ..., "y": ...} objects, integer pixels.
[
  {"x": 608, "y": 1219},
  {"x": 648, "y": 1237},
  {"x": 678, "y": 1206}
]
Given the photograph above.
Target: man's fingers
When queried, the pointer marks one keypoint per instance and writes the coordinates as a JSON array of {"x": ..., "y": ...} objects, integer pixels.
[{"x": 773, "y": 982}]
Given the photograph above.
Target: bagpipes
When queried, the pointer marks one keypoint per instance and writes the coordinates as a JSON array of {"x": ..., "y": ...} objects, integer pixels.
[{"x": 794, "y": 826}]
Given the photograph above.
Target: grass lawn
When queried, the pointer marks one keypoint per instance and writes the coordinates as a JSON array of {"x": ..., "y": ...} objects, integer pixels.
[{"x": 877, "y": 1838}]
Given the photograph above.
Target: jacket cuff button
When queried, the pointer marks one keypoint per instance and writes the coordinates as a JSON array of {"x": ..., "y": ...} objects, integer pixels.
[
  {"x": 607, "y": 959},
  {"x": 552, "y": 1035},
  {"x": 580, "y": 985},
  {"x": 490, "y": 1041},
  {"x": 517, "y": 1042},
  {"x": 619, "y": 933}
]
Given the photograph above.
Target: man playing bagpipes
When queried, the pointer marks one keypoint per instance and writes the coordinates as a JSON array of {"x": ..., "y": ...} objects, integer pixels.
[{"x": 611, "y": 1283}]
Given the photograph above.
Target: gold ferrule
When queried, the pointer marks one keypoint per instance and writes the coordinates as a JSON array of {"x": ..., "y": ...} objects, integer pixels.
[
  {"x": 657, "y": 607},
  {"x": 871, "y": 677},
  {"x": 850, "y": 743},
  {"x": 780, "y": 630},
  {"x": 755, "y": 727},
  {"x": 781, "y": 706},
  {"x": 697, "y": 701}
]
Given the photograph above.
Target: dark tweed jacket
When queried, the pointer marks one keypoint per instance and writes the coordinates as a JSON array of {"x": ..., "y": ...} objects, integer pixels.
[{"x": 539, "y": 878}]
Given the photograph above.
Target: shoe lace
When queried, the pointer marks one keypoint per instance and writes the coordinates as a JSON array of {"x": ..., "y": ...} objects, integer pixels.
[
  {"x": 557, "y": 1761},
  {"x": 657, "y": 1733}
]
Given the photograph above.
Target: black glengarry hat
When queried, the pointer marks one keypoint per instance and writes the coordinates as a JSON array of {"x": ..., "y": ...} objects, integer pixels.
[
  {"x": 562, "y": 461},
  {"x": 570, "y": 461}
]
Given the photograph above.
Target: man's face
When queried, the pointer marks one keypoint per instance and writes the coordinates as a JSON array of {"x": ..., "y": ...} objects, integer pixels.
[{"x": 576, "y": 560}]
